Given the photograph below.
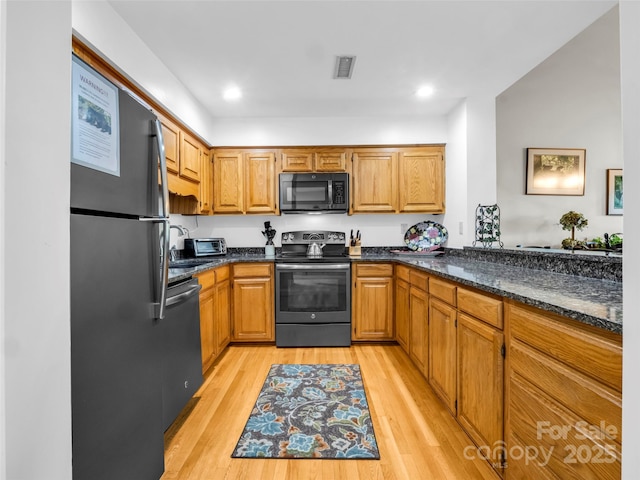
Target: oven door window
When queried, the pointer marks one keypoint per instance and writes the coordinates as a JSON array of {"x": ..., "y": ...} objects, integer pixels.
[{"x": 313, "y": 291}]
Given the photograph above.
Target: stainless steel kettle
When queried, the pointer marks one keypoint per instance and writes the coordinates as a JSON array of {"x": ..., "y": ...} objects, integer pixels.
[{"x": 315, "y": 250}]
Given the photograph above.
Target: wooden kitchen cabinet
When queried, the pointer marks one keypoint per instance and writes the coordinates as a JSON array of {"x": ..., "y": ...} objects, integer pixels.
[
  {"x": 480, "y": 364},
  {"x": 314, "y": 159},
  {"x": 253, "y": 302},
  {"x": 412, "y": 314},
  {"x": 442, "y": 350},
  {"x": 214, "y": 314},
  {"x": 372, "y": 294},
  {"x": 190, "y": 157},
  {"x": 564, "y": 396},
  {"x": 419, "y": 328},
  {"x": 188, "y": 169},
  {"x": 207, "y": 281},
  {"x": 171, "y": 137},
  {"x": 421, "y": 180},
  {"x": 374, "y": 182},
  {"x": 223, "y": 308},
  {"x": 228, "y": 181},
  {"x": 402, "y": 306},
  {"x": 398, "y": 179},
  {"x": 244, "y": 181},
  {"x": 206, "y": 184},
  {"x": 260, "y": 182}
]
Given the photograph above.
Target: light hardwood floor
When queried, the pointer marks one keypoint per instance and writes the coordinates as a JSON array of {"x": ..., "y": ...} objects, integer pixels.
[{"x": 417, "y": 437}]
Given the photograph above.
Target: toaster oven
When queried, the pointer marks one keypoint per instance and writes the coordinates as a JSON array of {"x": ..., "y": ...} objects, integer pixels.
[{"x": 202, "y": 247}]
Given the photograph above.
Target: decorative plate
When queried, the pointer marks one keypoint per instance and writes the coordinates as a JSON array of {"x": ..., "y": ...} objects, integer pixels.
[{"x": 425, "y": 236}]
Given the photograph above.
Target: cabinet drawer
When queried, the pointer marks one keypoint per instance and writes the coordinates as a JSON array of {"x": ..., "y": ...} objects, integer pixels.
[
  {"x": 206, "y": 279},
  {"x": 419, "y": 280},
  {"x": 483, "y": 307},
  {"x": 570, "y": 449},
  {"x": 592, "y": 401},
  {"x": 252, "y": 270},
  {"x": 443, "y": 290},
  {"x": 585, "y": 350},
  {"x": 222, "y": 273},
  {"x": 402, "y": 272},
  {"x": 374, "y": 270}
]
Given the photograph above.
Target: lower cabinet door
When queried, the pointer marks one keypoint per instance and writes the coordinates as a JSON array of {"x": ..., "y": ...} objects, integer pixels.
[
  {"x": 442, "y": 351},
  {"x": 253, "y": 310},
  {"x": 480, "y": 384}
]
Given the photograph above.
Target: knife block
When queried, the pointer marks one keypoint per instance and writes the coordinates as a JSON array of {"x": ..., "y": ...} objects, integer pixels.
[{"x": 355, "y": 251}]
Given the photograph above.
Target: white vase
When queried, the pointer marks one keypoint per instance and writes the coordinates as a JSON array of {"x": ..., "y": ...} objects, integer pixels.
[{"x": 269, "y": 251}]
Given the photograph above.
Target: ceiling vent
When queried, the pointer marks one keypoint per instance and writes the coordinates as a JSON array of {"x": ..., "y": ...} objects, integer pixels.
[{"x": 344, "y": 66}]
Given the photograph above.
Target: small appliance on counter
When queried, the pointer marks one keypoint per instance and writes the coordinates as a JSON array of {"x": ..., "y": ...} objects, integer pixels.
[{"x": 201, "y": 247}]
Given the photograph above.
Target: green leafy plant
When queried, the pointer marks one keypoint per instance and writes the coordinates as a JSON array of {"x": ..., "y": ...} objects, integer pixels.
[{"x": 615, "y": 240}]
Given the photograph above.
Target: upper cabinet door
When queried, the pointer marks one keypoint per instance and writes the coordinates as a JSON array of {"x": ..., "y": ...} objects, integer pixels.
[
  {"x": 297, "y": 160},
  {"x": 374, "y": 181},
  {"x": 190, "y": 160},
  {"x": 228, "y": 182},
  {"x": 260, "y": 182},
  {"x": 421, "y": 176},
  {"x": 171, "y": 136},
  {"x": 331, "y": 161},
  {"x": 206, "y": 182}
]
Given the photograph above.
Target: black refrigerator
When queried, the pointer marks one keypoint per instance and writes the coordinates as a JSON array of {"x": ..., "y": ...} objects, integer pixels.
[{"x": 119, "y": 247}]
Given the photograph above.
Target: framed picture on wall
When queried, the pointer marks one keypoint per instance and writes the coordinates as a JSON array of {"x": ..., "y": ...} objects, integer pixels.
[
  {"x": 614, "y": 191},
  {"x": 555, "y": 171}
]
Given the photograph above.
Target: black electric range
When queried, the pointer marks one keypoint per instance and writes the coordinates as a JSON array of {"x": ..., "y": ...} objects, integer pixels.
[{"x": 313, "y": 290}]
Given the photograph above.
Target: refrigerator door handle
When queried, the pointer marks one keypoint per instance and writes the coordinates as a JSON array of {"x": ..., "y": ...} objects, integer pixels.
[
  {"x": 164, "y": 264},
  {"x": 161, "y": 306},
  {"x": 163, "y": 169}
]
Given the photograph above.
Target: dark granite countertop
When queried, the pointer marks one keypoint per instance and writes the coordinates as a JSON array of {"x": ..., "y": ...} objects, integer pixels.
[{"x": 589, "y": 300}]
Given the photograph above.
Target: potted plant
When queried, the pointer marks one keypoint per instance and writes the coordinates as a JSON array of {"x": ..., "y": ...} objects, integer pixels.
[{"x": 573, "y": 221}]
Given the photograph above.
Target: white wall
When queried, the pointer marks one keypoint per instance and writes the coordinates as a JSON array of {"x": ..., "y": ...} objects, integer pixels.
[
  {"x": 630, "y": 80},
  {"x": 95, "y": 22},
  {"x": 35, "y": 229},
  {"x": 570, "y": 100},
  {"x": 3, "y": 412},
  {"x": 328, "y": 131}
]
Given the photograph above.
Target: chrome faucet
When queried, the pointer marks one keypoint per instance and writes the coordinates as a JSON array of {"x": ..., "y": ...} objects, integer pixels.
[
  {"x": 181, "y": 230},
  {"x": 173, "y": 252}
]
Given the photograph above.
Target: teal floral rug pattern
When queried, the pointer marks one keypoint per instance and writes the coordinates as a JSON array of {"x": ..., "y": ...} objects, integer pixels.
[{"x": 310, "y": 411}]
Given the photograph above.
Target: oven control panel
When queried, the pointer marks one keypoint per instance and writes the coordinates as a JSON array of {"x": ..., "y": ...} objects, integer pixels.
[{"x": 308, "y": 237}]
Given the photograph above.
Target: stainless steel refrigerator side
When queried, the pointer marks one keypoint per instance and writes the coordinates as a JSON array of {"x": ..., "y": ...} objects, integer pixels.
[
  {"x": 116, "y": 337},
  {"x": 116, "y": 348}
]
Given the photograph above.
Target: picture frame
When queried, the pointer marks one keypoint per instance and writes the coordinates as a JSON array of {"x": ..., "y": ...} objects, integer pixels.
[
  {"x": 614, "y": 191},
  {"x": 555, "y": 171}
]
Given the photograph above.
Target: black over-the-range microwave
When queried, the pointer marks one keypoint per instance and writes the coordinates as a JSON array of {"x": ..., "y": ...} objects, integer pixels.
[{"x": 314, "y": 192}]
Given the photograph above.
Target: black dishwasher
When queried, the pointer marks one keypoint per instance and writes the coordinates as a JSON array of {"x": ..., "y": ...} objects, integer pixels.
[{"x": 181, "y": 353}]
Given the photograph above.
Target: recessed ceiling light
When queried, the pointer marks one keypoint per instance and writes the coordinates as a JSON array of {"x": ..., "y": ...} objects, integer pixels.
[
  {"x": 232, "y": 93},
  {"x": 424, "y": 91}
]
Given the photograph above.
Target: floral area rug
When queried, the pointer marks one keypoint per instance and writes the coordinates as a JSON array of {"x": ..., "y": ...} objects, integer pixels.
[{"x": 310, "y": 411}]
